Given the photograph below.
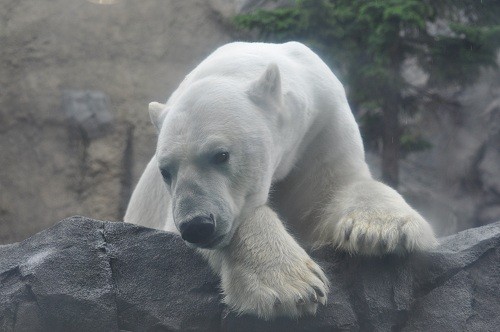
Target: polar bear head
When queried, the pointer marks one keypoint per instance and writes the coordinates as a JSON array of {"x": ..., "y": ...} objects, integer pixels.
[{"x": 216, "y": 152}]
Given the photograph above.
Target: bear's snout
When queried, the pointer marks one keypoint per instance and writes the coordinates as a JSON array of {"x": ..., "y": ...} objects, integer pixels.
[{"x": 198, "y": 230}]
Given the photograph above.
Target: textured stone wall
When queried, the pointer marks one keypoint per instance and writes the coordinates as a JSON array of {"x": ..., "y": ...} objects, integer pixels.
[
  {"x": 455, "y": 183},
  {"x": 131, "y": 53}
]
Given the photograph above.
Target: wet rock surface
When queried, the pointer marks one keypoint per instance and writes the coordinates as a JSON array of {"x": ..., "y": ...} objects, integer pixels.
[{"x": 89, "y": 275}]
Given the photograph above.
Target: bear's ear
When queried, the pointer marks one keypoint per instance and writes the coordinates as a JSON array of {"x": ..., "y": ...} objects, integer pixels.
[
  {"x": 267, "y": 89},
  {"x": 157, "y": 112}
]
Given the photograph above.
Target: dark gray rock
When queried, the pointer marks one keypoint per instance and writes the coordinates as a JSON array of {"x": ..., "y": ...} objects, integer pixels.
[{"x": 88, "y": 275}]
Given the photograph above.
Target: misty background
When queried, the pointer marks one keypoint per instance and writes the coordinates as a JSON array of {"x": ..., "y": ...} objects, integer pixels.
[{"x": 76, "y": 78}]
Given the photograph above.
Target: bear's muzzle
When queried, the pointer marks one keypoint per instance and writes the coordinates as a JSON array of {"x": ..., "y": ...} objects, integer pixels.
[{"x": 198, "y": 230}]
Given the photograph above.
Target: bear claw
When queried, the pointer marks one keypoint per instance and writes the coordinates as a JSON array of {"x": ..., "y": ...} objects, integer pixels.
[{"x": 318, "y": 291}]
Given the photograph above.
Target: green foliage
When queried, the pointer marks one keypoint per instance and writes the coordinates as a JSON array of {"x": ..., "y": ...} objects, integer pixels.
[
  {"x": 413, "y": 143},
  {"x": 457, "y": 58},
  {"x": 369, "y": 39},
  {"x": 275, "y": 24},
  {"x": 371, "y": 127},
  {"x": 367, "y": 42}
]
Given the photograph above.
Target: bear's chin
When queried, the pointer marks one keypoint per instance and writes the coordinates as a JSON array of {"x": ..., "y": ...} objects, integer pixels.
[{"x": 215, "y": 243}]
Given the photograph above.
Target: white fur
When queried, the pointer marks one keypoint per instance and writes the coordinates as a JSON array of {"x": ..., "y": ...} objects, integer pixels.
[
  {"x": 294, "y": 145},
  {"x": 156, "y": 113}
]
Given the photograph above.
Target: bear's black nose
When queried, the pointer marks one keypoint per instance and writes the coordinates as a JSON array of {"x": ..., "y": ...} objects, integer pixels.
[{"x": 197, "y": 230}]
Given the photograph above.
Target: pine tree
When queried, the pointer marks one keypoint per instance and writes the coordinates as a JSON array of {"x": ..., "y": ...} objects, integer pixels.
[{"x": 368, "y": 41}]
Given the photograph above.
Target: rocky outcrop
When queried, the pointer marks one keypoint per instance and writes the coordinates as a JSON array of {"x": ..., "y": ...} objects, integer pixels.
[
  {"x": 88, "y": 275},
  {"x": 455, "y": 184}
]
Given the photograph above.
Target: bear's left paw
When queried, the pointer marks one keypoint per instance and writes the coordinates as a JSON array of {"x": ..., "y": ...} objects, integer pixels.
[
  {"x": 291, "y": 287},
  {"x": 377, "y": 232}
]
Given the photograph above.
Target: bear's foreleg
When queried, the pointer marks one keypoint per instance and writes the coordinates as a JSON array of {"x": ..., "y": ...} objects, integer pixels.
[
  {"x": 265, "y": 272},
  {"x": 370, "y": 218}
]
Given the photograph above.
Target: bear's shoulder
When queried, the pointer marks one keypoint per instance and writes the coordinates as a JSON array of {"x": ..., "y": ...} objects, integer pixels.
[{"x": 292, "y": 48}]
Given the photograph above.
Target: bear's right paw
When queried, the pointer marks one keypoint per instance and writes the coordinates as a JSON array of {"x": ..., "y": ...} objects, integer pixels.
[
  {"x": 383, "y": 231},
  {"x": 292, "y": 288}
]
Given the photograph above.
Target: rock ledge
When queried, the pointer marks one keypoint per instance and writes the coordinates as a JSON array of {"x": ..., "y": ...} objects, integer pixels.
[{"x": 89, "y": 275}]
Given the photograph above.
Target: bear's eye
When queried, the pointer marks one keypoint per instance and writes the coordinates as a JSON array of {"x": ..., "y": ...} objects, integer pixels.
[
  {"x": 221, "y": 157},
  {"x": 167, "y": 177}
]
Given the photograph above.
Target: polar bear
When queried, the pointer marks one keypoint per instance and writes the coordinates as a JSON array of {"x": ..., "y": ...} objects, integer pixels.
[{"x": 257, "y": 143}]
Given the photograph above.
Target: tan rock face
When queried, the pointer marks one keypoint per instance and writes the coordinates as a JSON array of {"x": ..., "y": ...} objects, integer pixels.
[{"x": 133, "y": 52}]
